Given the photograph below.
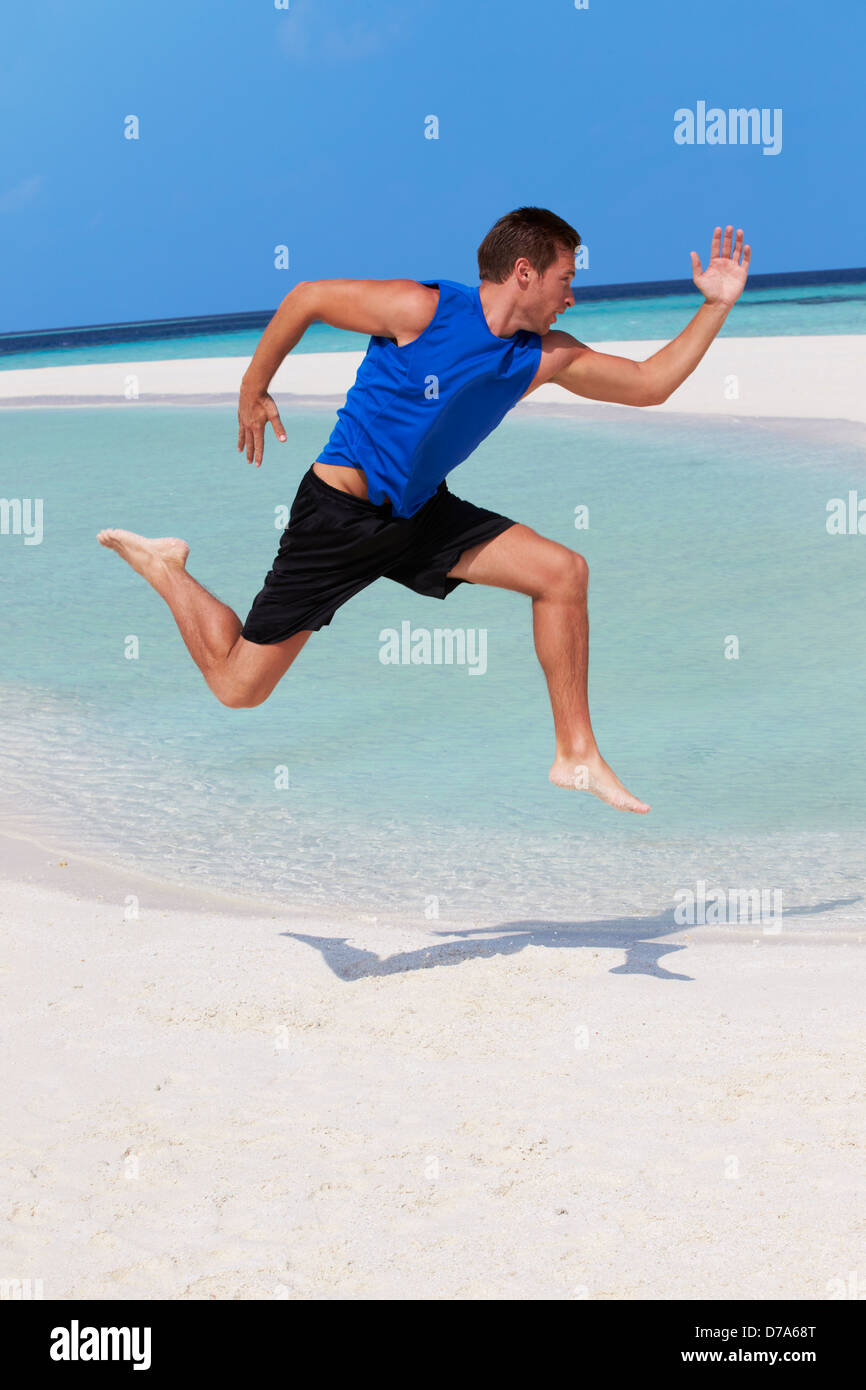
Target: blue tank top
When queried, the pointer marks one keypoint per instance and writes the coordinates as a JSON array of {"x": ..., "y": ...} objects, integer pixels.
[{"x": 415, "y": 412}]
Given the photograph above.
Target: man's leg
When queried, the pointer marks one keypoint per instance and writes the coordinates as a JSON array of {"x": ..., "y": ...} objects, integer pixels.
[
  {"x": 556, "y": 580},
  {"x": 240, "y": 673}
]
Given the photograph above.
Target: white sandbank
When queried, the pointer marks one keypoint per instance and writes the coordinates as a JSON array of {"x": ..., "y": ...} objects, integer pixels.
[
  {"x": 818, "y": 377},
  {"x": 219, "y": 1099}
]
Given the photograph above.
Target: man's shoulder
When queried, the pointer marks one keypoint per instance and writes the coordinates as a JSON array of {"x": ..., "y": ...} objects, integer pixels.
[
  {"x": 454, "y": 287},
  {"x": 560, "y": 347},
  {"x": 452, "y": 284},
  {"x": 558, "y": 350},
  {"x": 420, "y": 302}
]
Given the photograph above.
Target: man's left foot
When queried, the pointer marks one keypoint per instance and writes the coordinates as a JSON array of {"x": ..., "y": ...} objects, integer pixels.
[{"x": 593, "y": 775}]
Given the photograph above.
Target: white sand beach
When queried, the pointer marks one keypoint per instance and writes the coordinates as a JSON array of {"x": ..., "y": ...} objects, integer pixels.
[
  {"x": 209, "y": 1097},
  {"x": 813, "y": 378},
  {"x": 219, "y": 1099}
]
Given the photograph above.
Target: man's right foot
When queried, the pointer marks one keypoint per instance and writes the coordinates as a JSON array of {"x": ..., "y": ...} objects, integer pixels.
[
  {"x": 147, "y": 557},
  {"x": 592, "y": 774}
]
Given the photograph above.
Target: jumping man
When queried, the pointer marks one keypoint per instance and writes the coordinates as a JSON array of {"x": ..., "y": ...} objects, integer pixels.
[{"x": 444, "y": 364}]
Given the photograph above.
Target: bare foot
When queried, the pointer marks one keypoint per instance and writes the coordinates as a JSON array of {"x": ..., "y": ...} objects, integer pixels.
[
  {"x": 148, "y": 558},
  {"x": 592, "y": 774}
]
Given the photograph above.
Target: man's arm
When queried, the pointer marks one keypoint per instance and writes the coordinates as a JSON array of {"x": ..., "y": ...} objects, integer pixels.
[
  {"x": 398, "y": 309},
  {"x": 602, "y": 376}
]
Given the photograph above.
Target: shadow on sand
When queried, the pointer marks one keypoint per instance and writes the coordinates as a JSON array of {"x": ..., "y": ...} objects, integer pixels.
[{"x": 637, "y": 936}]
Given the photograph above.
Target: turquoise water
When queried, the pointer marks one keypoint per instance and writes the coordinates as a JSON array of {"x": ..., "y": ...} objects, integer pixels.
[
  {"x": 770, "y": 312},
  {"x": 409, "y": 783}
]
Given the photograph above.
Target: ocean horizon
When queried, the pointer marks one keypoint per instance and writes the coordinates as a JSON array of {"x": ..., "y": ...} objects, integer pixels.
[{"x": 788, "y": 304}]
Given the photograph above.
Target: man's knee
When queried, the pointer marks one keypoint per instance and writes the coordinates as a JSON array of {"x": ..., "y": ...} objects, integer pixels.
[
  {"x": 580, "y": 577},
  {"x": 237, "y": 697},
  {"x": 571, "y": 576}
]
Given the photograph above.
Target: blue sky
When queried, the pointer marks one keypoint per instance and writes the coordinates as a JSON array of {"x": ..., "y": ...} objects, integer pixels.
[{"x": 305, "y": 127}]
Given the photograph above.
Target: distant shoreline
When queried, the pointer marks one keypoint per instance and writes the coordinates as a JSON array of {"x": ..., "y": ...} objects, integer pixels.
[
  {"x": 39, "y": 340},
  {"x": 816, "y": 377}
]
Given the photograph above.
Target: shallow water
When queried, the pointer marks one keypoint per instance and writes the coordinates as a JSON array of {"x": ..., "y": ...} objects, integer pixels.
[{"x": 424, "y": 787}]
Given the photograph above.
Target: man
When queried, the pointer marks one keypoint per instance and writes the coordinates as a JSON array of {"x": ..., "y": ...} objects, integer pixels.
[{"x": 444, "y": 364}]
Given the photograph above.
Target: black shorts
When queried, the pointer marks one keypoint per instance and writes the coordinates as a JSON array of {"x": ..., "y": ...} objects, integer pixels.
[{"x": 336, "y": 544}]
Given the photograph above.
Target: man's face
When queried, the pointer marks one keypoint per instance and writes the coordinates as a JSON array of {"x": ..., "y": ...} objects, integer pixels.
[{"x": 554, "y": 294}]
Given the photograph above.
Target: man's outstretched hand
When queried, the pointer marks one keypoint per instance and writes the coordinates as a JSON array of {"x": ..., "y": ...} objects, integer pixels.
[
  {"x": 724, "y": 279},
  {"x": 255, "y": 409}
]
